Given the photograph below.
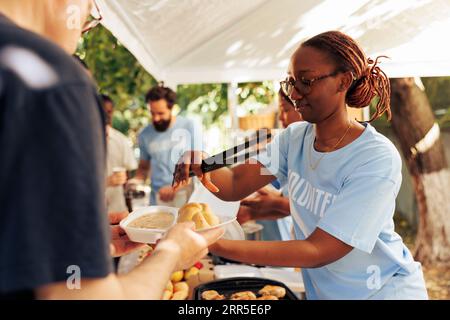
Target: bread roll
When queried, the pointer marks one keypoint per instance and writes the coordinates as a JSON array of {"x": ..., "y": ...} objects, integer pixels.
[
  {"x": 212, "y": 295},
  {"x": 200, "y": 221},
  {"x": 187, "y": 212},
  {"x": 199, "y": 213},
  {"x": 210, "y": 217},
  {"x": 244, "y": 295},
  {"x": 276, "y": 291},
  {"x": 267, "y": 298}
]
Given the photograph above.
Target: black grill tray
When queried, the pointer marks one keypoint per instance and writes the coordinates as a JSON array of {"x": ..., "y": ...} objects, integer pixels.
[{"x": 231, "y": 285}]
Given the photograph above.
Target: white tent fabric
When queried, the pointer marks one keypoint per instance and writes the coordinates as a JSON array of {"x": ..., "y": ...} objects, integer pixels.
[{"x": 208, "y": 41}]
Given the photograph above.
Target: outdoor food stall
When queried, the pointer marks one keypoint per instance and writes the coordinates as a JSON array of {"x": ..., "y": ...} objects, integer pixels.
[{"x": 212, "y": 278}]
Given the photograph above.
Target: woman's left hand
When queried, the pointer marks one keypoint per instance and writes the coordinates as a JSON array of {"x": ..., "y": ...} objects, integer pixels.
[{"x": 263, "y": 202}]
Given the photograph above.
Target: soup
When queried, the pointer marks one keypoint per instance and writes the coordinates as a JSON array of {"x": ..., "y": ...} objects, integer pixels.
[{"x": 157, "y": 220}]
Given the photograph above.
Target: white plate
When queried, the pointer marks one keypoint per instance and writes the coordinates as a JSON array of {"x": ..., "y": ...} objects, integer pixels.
[
  {"x": 234, "y": 231},
  {"x": 218, "y": 207},
  {"x": 224, "y": 221}
]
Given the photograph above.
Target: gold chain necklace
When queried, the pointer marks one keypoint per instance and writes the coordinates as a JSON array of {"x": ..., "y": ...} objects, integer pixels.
[{"x": 313, "y": 167}]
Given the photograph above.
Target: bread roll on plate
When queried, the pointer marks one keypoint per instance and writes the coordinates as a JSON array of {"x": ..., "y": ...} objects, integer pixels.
[{"x": 199, "y": 213}]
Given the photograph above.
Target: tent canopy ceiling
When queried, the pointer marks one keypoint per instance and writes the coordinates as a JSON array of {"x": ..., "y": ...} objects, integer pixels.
[{"x": 207, "y": 41}]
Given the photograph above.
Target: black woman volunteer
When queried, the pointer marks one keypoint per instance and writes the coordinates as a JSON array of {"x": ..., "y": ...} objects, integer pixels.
[{"x": 343, "y": 178}]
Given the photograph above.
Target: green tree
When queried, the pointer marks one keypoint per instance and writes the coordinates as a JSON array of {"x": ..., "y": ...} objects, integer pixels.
[
  {"x": 208, "y": 100},
  {"x": 119, "y": 75},
  {"x": 438, "y": 92}
]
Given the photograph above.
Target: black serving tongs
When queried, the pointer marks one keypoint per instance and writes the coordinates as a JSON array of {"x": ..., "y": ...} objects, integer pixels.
[{"x": 232, "y": 155}]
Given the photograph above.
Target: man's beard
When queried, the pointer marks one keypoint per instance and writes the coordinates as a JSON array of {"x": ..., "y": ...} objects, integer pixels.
[{"x": 162, "y": 125}]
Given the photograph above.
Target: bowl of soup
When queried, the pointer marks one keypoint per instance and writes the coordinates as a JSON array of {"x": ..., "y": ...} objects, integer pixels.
[{"x": 149, "y": 224}]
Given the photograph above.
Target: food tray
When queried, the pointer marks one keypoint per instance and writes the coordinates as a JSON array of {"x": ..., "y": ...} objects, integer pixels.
[{"x": 231, "y": 285}]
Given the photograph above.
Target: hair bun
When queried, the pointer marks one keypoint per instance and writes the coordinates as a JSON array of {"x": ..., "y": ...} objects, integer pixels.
[{"x": 373, "y": 82}]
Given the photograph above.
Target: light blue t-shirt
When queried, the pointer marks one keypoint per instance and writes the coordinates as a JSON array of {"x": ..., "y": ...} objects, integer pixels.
[
  {"x": 164, "y": 149},
  {"x": 350, "y": 195},
  {"x": 279, "y": 229},
  {"x": 285, "y": 224}
]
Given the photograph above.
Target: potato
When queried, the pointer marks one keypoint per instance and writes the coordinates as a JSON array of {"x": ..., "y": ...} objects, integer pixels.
[
  {"x": 180, "y": 286},
  {"x": 191, "y": 272},
  {"x": 169, "y": 286},
  {"x": 180, "y": 295},
  {"x": 181, "y": 291},
  {"x": 177, "y": 276},
  {"x": 167, "y": 295}
]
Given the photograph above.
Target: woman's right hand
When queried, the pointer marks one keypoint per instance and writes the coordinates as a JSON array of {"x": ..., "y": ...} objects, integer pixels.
[{"x": 191, "y": 161}]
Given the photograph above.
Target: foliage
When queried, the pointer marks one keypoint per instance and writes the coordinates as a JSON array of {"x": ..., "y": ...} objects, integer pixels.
[
  {"x": 254, "y": 97},
  {"x": 208, "y": 100},
  {"x": 119, "y": 75},
  {"x": 438, "y": 92}
]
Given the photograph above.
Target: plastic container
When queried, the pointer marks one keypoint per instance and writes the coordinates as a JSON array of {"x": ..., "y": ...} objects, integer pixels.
[
  {"x": 233, "y": 231},
  {"x": 144, "y": 235},
  {"x": 252, "y": 230},
  {"x": 232, "y": 285}
]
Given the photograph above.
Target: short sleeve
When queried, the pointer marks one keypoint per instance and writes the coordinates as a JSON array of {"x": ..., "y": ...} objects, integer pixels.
[
  {"x": 144, "y": 155},
  {"x": 275, "y": 157},
  {"x": 359, "y": 212},
  {"x": 53, "y": 213}
]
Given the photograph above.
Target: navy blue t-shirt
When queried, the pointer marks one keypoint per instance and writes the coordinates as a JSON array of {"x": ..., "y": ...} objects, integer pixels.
[{"x": 52, "y": 165}]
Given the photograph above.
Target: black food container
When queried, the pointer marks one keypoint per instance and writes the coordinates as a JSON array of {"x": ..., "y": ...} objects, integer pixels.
[{"x": 229, "y": 286}]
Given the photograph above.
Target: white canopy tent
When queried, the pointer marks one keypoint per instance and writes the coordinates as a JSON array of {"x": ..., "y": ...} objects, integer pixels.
[{"x": 209, "y": 41}]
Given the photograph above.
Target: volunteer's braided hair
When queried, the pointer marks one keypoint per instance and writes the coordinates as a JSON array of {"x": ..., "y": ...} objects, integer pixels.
[{"x": 369, "y": 79}]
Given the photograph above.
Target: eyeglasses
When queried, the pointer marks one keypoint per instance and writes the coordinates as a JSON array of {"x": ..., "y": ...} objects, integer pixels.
[
  {"x": 94, "y": 19},
  {"x": 302, "y": 85}
]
